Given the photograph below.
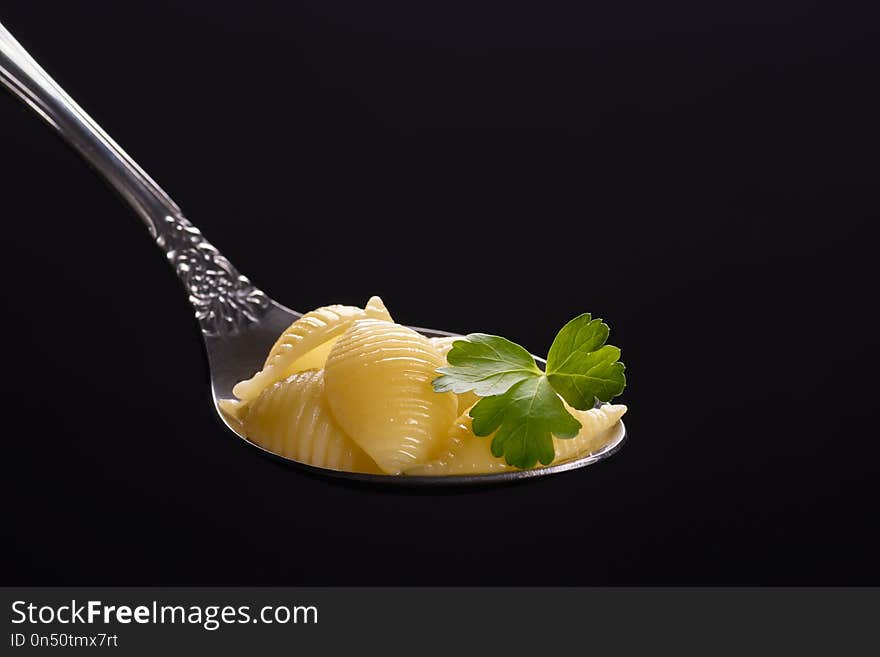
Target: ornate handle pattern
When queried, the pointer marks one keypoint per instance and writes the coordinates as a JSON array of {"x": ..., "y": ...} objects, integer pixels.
[{"x": 224, "y": 300}]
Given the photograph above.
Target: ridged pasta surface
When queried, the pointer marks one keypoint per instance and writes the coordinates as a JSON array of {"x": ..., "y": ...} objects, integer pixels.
[
  {"x": 462, "y": 452},
  {"x": 595, "y": 424},
  {"x": 444, "y": 344},
  {"x": 378, "y": 386},
  {"x": 306, "y": 343},
  {"x": 291, "y": 418}
]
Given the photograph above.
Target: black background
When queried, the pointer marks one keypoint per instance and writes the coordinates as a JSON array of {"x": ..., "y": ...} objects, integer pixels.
[{"x": 702, "y": 175}]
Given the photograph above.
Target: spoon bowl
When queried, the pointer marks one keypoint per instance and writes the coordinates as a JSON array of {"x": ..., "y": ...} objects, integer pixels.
[
  {"x": 238, "y": 322},
  {"x": 236, "y": 356}
]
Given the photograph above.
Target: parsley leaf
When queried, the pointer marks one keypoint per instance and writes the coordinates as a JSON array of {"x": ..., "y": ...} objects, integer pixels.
[
  {"x": 581, "y": 367},
  {"x": 486, "y": 364},
  {"x": 523, "y": 419},
  {"x": 521, "y": 404}
]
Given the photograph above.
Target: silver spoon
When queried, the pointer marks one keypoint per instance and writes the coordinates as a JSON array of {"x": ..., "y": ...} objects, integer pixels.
[{"x": 239, "y": 323}]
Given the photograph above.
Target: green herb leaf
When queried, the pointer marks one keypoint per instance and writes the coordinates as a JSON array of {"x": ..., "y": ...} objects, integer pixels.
[
  {"x": 486, "y": 364},
  {"x": 524, "y": 419},
  {"x": 581, "y": 367},
  {"x": 521, "y": 404}
]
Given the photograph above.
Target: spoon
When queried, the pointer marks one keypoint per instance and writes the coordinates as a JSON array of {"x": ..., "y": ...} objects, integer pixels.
[{"x": 239, "y": 322}]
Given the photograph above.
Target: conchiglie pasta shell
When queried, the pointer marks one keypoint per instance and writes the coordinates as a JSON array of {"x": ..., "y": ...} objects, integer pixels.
[
  {"x": 306, "y": 343},
  {"x": 465, "y": 453},
  {"x": 234, "y": 410},
  {"x": 378, "y": 386},
  {"x": 443, "y": 345},
  {"x": 594, "y": 434},
  {"x": 461, "y": 452},
  {"x": 291, "y": 418}
]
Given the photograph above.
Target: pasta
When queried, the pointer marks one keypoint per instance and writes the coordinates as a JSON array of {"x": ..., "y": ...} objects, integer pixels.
[
  {"x": 465, "y": 453},
  {"x": 594, "y": 433},
  {"x": 378, "y": 383},
  {"x": 306, "y": 343},
  {"x": 346, "y": 388},
  {"x": 291, "y": 418},
  {"x": 466, "y": 399},
  {"x": 461, "y": 453}
]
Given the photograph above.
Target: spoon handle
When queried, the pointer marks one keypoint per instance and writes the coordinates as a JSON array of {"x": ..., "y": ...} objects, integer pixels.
[{"x": 224, "y": 300}]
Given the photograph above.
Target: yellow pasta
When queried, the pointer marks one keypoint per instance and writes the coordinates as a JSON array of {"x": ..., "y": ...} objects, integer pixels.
[
  {"x": 306, "y": 343},
  {"x": 462, "y": 452},
  {"x": 291, "y": 418},
  {"x": 346, "y": 388},
  {"x": 378, "y": 386},
  {"x": 444, "y": 344},
  {"x": 596, "y": 424},
  {"x": 233, "y": 409}
]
